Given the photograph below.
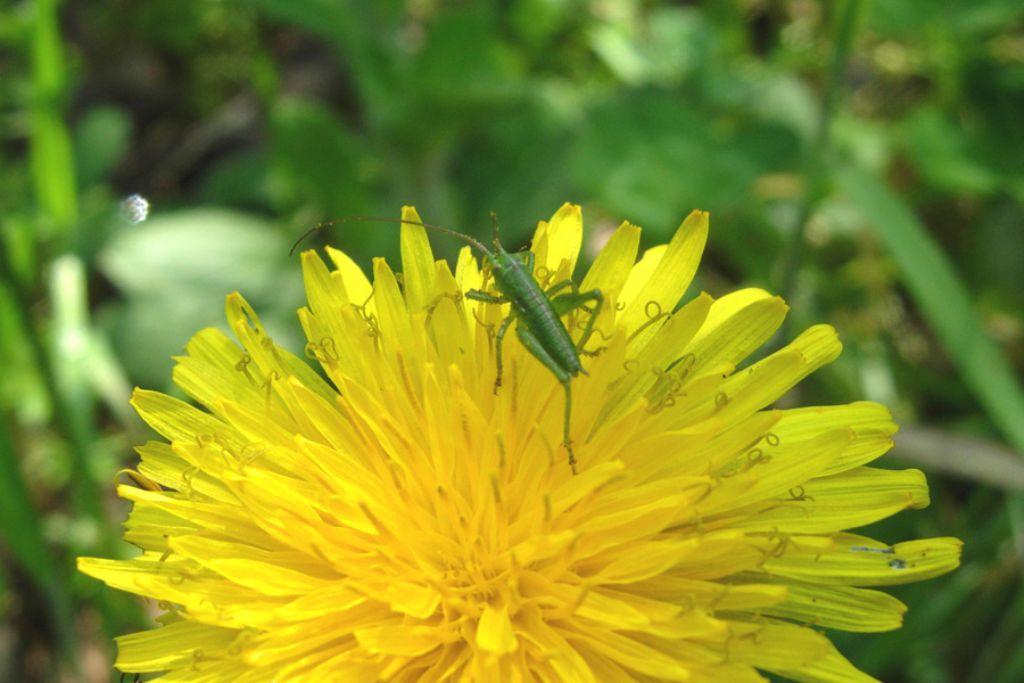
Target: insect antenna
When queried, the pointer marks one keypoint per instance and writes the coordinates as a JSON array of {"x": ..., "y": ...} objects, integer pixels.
[
  {"x": 494, "y": 230},
  {"x": 375, "y": 219}
]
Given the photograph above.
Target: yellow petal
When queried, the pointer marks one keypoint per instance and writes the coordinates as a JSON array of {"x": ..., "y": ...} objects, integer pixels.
[
  {"x": 859, "y": 561},
  {"x": 211, "y": 369},
  {"x": 731, "y": 339},
  {"x": 395, "y": 330},
  {"x": 638, "y": 277},
  {"x": 177, "y": 420},
  {"x": 678, "y": 589},
  {"x": 150, "y": 528},
  {"x": 333, "y": 598},
  {"x": 840, "y": 607},
  {"x": 166, "y": 467},
  {"x": 769, "y": 471},
  {"x": 467, "y": 271},
  {"x": 777, "y": 646},
  {"x": 632, "y": 653},
  {"x": 763, "y": 382},
  {"x": 171, "y": 646},
  {"x": 612, "y": 265},
  {"x": 651, "y": 365},
  {"x": 669, "y": 278},
  {"x": 559, "y": 653},
  {"x": 494, "y": 631},
  {"x": 541, "y": 547},
  {"x": 557, "y": 241},
  {"x": 336, "y": 325},
  {"x": 271, "y": 573},
  {"x": 413, "y": 599},
  {"x": 871, "y": 424},
  {"x": 177, "y": 581},
  {"x": 397, "y": 639},
  {"x": 832, "y": 668},
  {"x": 357, "y": 286},
  {"x": 417, "y": 261},
  {"x": 833, "y": 503},
  {"x": 725, "y": 307}
]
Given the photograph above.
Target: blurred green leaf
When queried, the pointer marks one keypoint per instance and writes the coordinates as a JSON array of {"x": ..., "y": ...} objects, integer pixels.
[
  {"x": 961, "y": 18},
  {"x": 787, "y": 101},
  {"x": 995, "y": 258},
  {"x": 322, "y": 17},
  {"x": 537, "y": 21},
  {"x": 663, "y": 47},
  {"x": 174, "y": 271},
  {"x": 653, "y": 158},
  {"x": 316, "y": 159},
  {"x": 445, "y": 75},
  {"x": 943, "y": 299},
  {"x": 102, "y": 136},
  {"x": 498, "y": 169},
  {"x": 239, "y": 180},
  {"x": 109, "y": 381},
  {"x": 196, "y": 251},
  {"x": 941, "y": 151}
]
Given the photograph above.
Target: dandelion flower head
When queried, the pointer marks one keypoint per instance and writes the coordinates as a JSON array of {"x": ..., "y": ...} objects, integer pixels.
[{"x": 403, "y": 521}]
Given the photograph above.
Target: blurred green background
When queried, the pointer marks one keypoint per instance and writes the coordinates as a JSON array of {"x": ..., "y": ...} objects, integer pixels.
[{"x": 864, "y": 159}]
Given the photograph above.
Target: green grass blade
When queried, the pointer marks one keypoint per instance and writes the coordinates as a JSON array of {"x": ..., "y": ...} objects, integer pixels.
[
  {"x": 22, "y": 533},
  {"x": 51, "y": 159},
  {"x": 943, "y": 299},
  {"x": 19, "y": 522}
]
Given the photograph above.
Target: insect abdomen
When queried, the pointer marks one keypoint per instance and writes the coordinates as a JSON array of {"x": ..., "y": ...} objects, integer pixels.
[{"x": 535, "y": 312}]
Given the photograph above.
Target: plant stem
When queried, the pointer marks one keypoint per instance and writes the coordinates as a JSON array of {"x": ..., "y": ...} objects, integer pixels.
[
  {"x": 18, "y": 514},
  {"x": 816, "y": 166}
]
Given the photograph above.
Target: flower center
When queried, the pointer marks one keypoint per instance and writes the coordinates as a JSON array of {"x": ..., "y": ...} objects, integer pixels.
[{"x": 472, "y": 581}]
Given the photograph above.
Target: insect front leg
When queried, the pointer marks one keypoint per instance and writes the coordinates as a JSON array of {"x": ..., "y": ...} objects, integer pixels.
[
  {"x": 529, "y": 260},
  {"x": 538, "y": 351},
  {"x": 477, "y": 295},
  {"x": 563, "y": 303}
]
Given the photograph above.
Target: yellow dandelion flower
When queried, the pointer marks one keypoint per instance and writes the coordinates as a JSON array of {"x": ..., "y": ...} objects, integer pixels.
[{"x": 405, "y": 522}]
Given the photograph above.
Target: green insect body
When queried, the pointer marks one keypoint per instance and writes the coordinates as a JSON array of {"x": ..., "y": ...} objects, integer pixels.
[{"x": 538, "y": 312}]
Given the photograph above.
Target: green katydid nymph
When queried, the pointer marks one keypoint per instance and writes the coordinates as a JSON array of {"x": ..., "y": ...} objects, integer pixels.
[{"x": 537, "y": 311}]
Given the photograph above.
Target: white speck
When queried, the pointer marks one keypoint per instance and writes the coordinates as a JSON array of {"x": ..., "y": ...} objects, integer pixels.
[{"x": 135, "y": 208}]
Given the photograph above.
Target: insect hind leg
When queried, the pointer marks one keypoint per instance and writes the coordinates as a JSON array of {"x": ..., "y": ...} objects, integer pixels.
[
  {"x": 566, "y": 438},
  {"x": 533, "y": 345},
  {"x": 498, "y": 339}
]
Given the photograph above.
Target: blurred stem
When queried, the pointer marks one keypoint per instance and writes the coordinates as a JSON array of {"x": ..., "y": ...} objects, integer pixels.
[
  {"x": 816, "y": 160},
  {"x": 50, "y": 154},
  {"x": 18, "y": 512},
  {"x": 73, "y": 399},
  {"x": 72, "y": 419},
  {"x": 941, "y": 451}
]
